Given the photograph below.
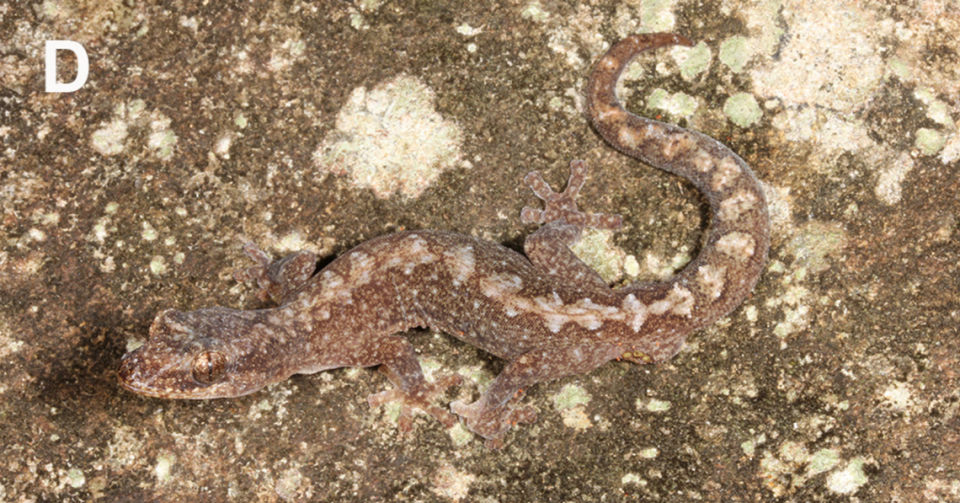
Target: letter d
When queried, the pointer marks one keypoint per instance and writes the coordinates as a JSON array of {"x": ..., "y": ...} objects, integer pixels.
[{"x": 51, "y": 66}]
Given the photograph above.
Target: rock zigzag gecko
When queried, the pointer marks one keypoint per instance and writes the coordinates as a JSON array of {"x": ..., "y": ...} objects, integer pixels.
[{"x": 547, "y": 312}]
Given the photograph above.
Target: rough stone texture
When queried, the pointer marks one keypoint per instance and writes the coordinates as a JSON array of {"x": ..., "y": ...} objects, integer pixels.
[{"x": 196, "y": 131}]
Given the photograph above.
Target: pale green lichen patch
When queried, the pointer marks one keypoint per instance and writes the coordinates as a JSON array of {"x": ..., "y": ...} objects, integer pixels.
[
  {"x": 776, "y": 474},
  {"x": 662, "y": 268},
  {"x": 164, "y": 464},
  {"x": 576, "y": 418},
  {"x": 460, "y": 435},
  {"x": 930, "y": 141},
  {"x": 899, "y": 397},
  {"x": 785, "y": 470},
  {"x": 288, "y": 484},
  {"x": 222, "y": 146},
  {"x": 653, "y": 405},
  {"x": 468, "y": 31},
  {"x": 109, "y": 139},
  {"x": 764, "y": 19},
  {"x": 557, "y": 103},
  {"x": 51, "y": 218},
  {"x": 582, "y": 29},
  {"x": 100, "y": 229},
  {"x": 452, "y": 484},
  {"x": 369, "y": 5},
  {"x": 158, "y": 266},
  {"x": 936, "y": 109},
  {"x": 680, "y": 105},
  {"x": 633, "y": 71},
  {"x": 391, "y": 140},
  {"x": 36, "y": 235},
  {"x": 649, "y": 453},
  {"x": 794, "y": 452},
  {"x": 190, "y": 23},
  {"x": 849, "y": 479},
  {"x": 596, "y": 248},
  {"x": 829, "y": 131},
  {"x": 112, "y": 138},
  {"x": 749, "y": 446},
  {"x": 951, "y": 150},
  {"x": 293, "y": 242},
  {"x": 823, "y": 460},
  {"x": 693, "y": 60},
  {"x": 476, "y": 374},
  {"x": 533, "y": 11},
  {"x": 133, "y": 344},
  {"x": 899, "y": 69},
  {"x": 889, "y": 184},
  {"x": 657, "y": 15},
  {"x": 357, "y": 22},
  {"x": 8, "y": 345},
  {"x": 275, "y": 403},
  {"x": 563, "y": 41},
  {"x": 570, "y": 396},
  {"x": 796, "y": 311},
  {"x": 742, "y": 109},
  {"x": 735, "y": 53},
  {"x": 136, "y": 107},
  {"x": 836, "y": 64},
  {"x": 162, "y": 140},
  {"x": 149, "y": 233},
  {"x": 814, "y": 242},
  {"x": 287, "y": 51},
  {"x": 430, "y": 367},
  {"x": 392, "y": 411},
  {"x": 75, "y": 478}
]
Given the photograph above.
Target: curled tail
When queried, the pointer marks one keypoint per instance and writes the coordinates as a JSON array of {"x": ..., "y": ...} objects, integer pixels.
[{"x": 735, "y": 248}]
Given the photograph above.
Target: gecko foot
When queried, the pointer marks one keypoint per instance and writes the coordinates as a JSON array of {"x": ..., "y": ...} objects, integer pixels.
[
  {"x": 278, "y": 278},
  {"x": 418, "y": 399},
  {"x": 492, "y": 423},
  {"x": 563, "y": 205}
]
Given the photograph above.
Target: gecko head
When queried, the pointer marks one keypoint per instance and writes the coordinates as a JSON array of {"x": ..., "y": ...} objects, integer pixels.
[{"x": 209, "y": 353}]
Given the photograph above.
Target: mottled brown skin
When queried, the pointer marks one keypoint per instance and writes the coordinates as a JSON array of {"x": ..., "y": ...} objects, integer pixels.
[{"x": 548, "y": 313}]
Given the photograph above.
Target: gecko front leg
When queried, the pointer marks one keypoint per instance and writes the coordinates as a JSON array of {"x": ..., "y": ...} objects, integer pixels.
[{"x": 277, "y": 279}]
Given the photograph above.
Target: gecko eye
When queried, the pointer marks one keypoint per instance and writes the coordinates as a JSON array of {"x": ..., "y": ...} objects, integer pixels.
[{"x": 209, "y": 367}]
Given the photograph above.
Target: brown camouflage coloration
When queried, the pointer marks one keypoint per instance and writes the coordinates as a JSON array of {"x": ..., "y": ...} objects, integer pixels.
[{"x": 548, "y": 313}]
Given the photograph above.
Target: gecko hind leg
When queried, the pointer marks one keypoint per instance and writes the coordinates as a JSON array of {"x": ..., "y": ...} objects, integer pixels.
[
  {"x": 398, "y": 361},
  {"x": 497, "y": 410},
  {"x": 563, "y": 205},
  {"x": 277, "y": 279},
  {"x": 549, "y": 247}
]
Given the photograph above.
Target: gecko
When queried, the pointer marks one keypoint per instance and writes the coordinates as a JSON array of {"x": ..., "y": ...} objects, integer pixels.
[{"x": 545, "y": 312}]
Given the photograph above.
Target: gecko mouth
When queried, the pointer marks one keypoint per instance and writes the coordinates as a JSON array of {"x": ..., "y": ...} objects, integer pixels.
[
  {"x": 129, "y": 376},
  {"x": 131, "y": 379}
]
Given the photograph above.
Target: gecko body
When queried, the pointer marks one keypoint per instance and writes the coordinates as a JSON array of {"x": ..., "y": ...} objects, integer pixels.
[{"x": 545, "y": 311}]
